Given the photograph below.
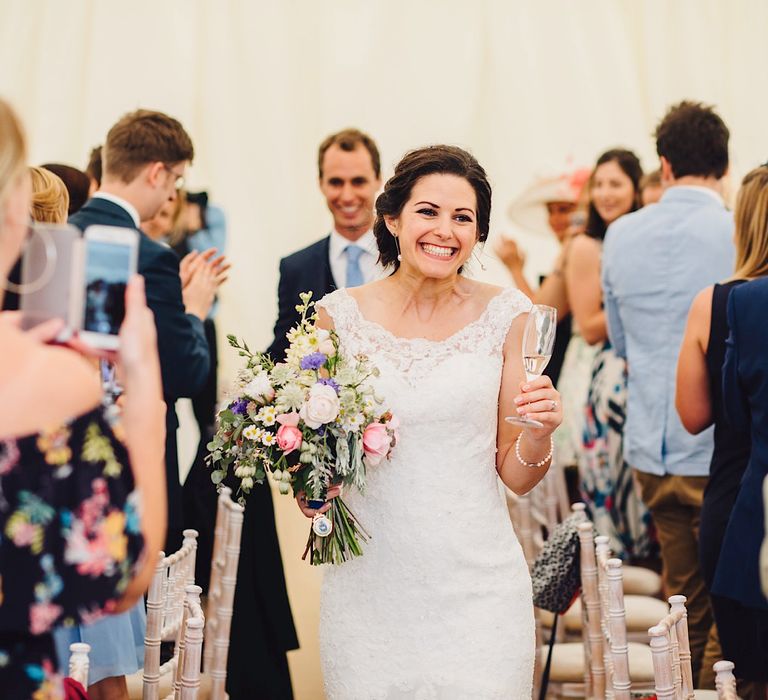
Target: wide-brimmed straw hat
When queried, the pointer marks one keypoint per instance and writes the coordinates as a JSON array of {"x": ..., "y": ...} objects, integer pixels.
[{"x": 529, "y": 210}]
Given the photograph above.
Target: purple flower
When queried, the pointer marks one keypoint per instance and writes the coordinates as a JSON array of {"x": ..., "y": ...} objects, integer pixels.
[
  {"x": 239, "y": 407},
  {"x": 331, "y": 383},
  {"x": 315, "y": 360}
]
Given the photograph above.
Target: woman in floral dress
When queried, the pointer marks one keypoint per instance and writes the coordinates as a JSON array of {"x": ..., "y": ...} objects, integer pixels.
[
  {"x": 82, "y": 497},
  {"x": 606, "y": 482}
]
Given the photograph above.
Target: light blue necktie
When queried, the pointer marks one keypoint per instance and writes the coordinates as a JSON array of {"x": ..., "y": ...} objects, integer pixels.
[{"x": 354, "y": 273}]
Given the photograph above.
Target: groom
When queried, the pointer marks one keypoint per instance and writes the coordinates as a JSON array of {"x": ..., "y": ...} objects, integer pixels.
[{"x": 349, "y": 178}]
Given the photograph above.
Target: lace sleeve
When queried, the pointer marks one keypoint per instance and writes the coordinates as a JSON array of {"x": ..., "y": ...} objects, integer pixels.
[
  {"x": 504, "y": 308},
  {"x": 341, "y": 308}
]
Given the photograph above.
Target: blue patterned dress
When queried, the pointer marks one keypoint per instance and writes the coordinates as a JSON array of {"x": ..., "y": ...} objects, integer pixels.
[{"x": 607, "y": 485}]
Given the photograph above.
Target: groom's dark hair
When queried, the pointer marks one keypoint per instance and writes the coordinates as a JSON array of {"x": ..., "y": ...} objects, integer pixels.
[
  {"x": 431, "y": 160},
  {"x": 143, "y": 137}
]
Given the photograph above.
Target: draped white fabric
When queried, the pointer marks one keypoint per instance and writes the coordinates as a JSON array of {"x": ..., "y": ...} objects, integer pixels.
[{"x": 259, "y": 84}]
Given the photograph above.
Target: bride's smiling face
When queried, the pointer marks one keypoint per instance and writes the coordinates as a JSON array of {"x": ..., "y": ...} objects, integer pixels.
[{"x": 437, "y": 228}]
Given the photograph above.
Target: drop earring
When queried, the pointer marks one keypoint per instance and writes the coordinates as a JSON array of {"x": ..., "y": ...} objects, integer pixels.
[
  {"x": 479, "y": 257},
  {"x": 397, "y": 245}
]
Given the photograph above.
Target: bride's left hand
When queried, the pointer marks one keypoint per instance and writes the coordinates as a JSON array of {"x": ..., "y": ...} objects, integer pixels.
[{"x": 539, "y": 400}]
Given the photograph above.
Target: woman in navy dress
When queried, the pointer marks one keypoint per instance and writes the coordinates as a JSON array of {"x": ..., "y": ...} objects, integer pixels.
[{"x": 700, "y": 404}]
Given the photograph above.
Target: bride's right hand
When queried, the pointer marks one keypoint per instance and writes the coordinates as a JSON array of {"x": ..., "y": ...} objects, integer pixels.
[{"x": 301, "y": 499}]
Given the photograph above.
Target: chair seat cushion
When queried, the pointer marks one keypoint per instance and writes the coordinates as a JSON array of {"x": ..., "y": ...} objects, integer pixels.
[
  {"x": 568, "y": 663},
  {"x": 642, "y": 612},
  {"x": 640, "y": 581}
]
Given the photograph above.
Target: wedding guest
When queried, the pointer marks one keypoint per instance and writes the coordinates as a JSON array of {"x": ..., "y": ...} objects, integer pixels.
[
  {"x": 202, "y": 228},
  {"x": 349, "y": 170},
  {"x": 77, "y": 183},
  {"x": 78, "y": 539},
  {"x": 699, "y": 402},
  {"x": 169, "y": 226},
  {"x": 93, "y": 170},
  {"x": 50, "y": 199},
  {"x": 745, "y": 394},
  {"x": 349, "y": 177},
  {"x": 655, "y": 261},
  {"x": 145, "y": 156},
  {"x": 598, "y": 425},
  {"x": 650, "y": 188},
  {"x": 559, "y": 197}
]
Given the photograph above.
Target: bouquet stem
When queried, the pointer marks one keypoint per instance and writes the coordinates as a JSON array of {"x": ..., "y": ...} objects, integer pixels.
[{"x": 344, "y": 542}]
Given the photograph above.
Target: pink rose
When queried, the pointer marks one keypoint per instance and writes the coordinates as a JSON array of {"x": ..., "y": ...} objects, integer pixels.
[
  {"x": 376, "y": 443},
  {"x": 288, "y": 438}
]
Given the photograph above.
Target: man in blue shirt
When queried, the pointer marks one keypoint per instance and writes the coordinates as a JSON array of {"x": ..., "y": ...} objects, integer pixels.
[{"x": 654, "y": 262}]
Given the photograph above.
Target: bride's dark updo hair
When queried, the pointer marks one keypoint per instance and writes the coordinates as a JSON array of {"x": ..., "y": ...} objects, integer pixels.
[{"x": 431, "y": 160}]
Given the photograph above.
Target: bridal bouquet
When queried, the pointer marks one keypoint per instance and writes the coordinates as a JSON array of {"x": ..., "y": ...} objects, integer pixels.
[{"x": 313, "y": 422}]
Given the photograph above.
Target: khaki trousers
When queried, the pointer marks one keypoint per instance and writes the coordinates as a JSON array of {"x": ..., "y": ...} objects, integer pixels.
[{"x": 675, "y": 505}]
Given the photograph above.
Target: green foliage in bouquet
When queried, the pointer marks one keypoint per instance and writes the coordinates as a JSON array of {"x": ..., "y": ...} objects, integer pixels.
[{"x": 313, "y": 422}]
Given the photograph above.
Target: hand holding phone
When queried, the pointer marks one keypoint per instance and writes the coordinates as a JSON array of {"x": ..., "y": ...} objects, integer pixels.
[{"x": 111, "y": 255}]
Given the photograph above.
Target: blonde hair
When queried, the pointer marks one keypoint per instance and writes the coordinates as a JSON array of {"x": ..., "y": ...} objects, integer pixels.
[
  {"x": 178, "y": 232},
  {"x": 50, "y": 199},
  {"x": 751, "y": 225},
  {"x": 13, "y": 151}
]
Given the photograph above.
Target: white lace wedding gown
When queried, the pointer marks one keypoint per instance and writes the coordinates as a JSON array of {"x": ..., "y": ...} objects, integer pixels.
[{"x": 439, "y": 605}]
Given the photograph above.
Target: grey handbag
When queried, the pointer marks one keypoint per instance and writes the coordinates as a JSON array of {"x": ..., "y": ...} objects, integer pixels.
[{"x": 555, "y": 574}]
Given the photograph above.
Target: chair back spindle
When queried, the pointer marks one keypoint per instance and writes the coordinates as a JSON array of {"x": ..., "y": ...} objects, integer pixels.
[{"x": 79, "y": 662}]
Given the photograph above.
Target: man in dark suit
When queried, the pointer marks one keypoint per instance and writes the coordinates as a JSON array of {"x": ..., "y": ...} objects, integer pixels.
[
  {"x": 349, "y": 177},
  {"x": 145, "y": 156},
  {"x": 262, "y": 625}
]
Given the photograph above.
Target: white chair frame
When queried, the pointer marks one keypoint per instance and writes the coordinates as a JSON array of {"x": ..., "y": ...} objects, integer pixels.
[
  {"x": 79, "y": 662},
  {"x": 167, "y": 602},
  {"x": 221, "y": 592}
]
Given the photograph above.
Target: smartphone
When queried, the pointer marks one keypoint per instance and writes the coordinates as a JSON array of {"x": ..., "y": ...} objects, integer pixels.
[
  {"x": 52, "y": 267},
  {"x": 110, "y": 260}
]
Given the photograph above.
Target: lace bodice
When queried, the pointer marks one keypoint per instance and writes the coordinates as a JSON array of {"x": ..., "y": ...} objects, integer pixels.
[
  {"x": 439, "y": 605},
  {"x": 415, "y": 357}
]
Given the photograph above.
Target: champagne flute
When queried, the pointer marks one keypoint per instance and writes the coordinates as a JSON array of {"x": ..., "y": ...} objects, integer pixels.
[{"x": 538, "y": 341}]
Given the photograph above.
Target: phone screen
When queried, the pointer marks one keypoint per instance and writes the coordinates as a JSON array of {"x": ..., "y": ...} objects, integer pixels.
[{"x": 107, "y": 271}]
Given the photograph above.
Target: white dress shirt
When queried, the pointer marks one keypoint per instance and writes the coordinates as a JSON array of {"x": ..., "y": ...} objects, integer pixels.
[
  {"x": 368, "y": 260},
  {"x": 120, "y": 203}
]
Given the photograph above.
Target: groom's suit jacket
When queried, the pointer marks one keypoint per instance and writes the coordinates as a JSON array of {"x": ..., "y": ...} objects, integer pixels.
[
  {"x": 307, "y": 270},
  {"x": 183, "y": 349}
]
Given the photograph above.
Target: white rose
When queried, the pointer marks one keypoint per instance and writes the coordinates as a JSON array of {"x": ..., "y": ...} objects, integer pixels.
[
  {"x": 324, "y": 343},
  {"x": 259, "y": 388},
  {"x": 321, "y": 407}
]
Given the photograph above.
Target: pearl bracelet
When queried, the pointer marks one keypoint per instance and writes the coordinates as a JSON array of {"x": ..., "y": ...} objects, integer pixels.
[{"x": 533, "y": 465}]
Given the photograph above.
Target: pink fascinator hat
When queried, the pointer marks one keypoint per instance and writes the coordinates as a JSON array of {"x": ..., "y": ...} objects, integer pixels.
[{"x": 529, "y": 209}]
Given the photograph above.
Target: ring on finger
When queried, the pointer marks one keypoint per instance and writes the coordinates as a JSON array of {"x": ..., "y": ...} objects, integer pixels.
[{"x": 554, "y": 406}]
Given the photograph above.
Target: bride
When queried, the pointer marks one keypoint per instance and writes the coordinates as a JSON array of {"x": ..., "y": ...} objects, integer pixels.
[{"x": 439, "y": 605}]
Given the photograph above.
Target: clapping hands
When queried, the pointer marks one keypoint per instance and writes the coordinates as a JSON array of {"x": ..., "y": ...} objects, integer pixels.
[
  {"x": 201, "y": 276},
  {"x": 510, "y": 254}
]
